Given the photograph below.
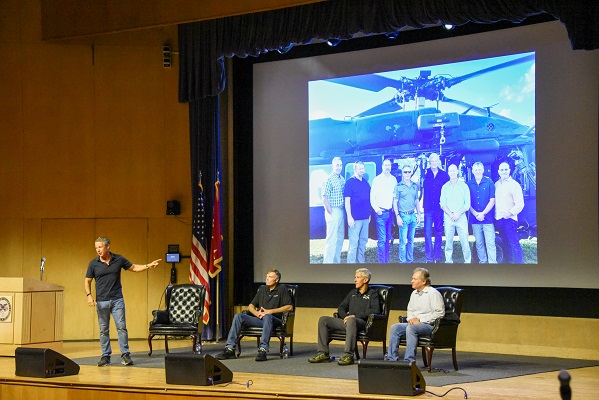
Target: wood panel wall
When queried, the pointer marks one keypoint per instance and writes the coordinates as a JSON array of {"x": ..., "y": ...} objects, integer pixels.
[{"x": 92, "y": 142}]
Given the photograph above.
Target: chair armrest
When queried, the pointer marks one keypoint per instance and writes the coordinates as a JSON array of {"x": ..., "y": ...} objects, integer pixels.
[
  {"x": 160, "y": 317},
  {"x": 373, "y": 318},
  {"x": 288, "y": 321},
  {"x": 288, "y": 316},
  {"x": 436, "y": 326}
]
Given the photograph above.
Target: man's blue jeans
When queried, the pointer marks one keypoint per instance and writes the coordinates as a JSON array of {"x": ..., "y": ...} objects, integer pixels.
[
  {"x": 384, "y": 223},
  {"x": 358, "y": 237},
  {"x": 411, "y": 332},
  {"x": 461, "y": 227},
  {"x": 433, "y": 218},
  {"x": 406, "y": 237},
  {"x": 268, "y": 323},
  {"x": 117, "y": 309},
  {"x": 484, "y": 235},
  {"x": 508, "y": 231}
]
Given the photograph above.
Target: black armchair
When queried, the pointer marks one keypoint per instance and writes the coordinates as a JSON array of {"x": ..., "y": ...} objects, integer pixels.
[
  {"x": 181, "y": 317},
  {"x": 282, "y": 332},
  {"x": 376, "y": 325},
  {"x": 445, "y": 331}
]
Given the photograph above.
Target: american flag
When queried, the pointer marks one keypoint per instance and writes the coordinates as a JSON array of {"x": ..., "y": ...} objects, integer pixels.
[{"x": 198, "y": 267}]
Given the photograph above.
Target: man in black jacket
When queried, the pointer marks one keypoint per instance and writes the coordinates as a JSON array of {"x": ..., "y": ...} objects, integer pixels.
[{"x": 351, "y": 317}]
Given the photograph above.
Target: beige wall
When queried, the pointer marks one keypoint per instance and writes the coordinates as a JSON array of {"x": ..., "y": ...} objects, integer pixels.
[{"x": 92, "y": 142}]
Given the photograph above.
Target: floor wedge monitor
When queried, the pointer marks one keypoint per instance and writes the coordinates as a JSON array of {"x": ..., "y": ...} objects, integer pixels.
[
  {"x": 196, "y": 369},
  {"x": 399, "y": 378},
  {"x": 43, "y": 363}
]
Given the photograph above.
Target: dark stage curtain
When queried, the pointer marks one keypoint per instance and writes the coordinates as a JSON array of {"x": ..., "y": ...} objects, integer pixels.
[{"x": 203, "y": 45}]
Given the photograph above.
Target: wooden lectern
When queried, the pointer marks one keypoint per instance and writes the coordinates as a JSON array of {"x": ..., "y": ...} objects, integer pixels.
[{"x": 31, "y": 314}]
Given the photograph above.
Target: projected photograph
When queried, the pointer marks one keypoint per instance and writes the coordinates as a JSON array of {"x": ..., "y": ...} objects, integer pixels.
[{"x": 434, "y": 164}]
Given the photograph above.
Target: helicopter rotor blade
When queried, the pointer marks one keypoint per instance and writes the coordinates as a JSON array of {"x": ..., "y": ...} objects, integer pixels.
[
  {"x": 373, "y": 83},
  {"x": 452, "y": 81}
]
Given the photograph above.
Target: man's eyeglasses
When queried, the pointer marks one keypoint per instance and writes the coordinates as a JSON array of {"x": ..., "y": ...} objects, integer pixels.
[{"x": 407, "y": 172}]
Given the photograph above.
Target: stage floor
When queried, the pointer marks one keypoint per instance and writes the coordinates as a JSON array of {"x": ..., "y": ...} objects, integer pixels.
[{"x": 134, "y": 383}]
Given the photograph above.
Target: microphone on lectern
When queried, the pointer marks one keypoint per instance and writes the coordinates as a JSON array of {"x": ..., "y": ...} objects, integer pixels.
[{"x": 564, "y": 385}]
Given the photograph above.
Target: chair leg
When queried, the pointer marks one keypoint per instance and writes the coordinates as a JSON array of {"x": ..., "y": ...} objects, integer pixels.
[
  {"x": 150, "y": 336},
  {"x": 166, "y": 343},
  {"x": 281, "y": 344},
  {"x": 291, "y": 345},
  {"x": 423, "y": 351},
  {"x": 196, "y": 344},
  {"x": 455, "y": 358},
  {"x": 239, "y": 346},
  {"x": 429, "y": 354},
  {"x": 364, "y": 348}
]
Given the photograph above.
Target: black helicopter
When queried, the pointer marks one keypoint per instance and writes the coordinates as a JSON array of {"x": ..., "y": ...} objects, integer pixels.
[{"x": 390, "y": 130}]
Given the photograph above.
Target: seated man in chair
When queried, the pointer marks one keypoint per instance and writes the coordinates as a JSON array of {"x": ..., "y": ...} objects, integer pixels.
[
  {"x": 352, "y": 315},
  {"x": 425, "y": 306},
  {"x": 265, "y": 311}
]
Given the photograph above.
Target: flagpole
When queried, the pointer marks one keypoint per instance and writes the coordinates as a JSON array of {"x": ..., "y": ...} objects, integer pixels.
[{"x": 217, "y": 333}]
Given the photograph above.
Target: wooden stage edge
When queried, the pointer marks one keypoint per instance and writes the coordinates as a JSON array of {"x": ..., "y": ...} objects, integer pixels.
[{"x": 136, "y": 383}]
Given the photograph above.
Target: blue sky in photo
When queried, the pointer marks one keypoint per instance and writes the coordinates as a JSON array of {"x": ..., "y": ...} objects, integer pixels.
[{"x": 510, "y": 90}]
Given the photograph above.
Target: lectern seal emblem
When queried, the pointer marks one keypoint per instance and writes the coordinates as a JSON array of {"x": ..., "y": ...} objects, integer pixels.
[{"x": 5, "y": 309}]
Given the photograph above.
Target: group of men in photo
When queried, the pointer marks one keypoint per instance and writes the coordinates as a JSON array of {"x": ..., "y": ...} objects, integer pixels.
[{"x": 450, "y": 204}]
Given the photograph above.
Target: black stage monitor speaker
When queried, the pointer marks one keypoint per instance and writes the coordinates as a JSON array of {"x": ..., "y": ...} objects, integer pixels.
[
  {"x": 196, "y": 369},
  {"x": 399, "y": 378},
  {"x": 43, "y": 363}
]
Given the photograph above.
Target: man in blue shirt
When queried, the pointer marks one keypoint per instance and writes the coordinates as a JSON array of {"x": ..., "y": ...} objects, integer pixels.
[
  {"x": 482, "y": 201},
  {"x": 357, "y": 208}
]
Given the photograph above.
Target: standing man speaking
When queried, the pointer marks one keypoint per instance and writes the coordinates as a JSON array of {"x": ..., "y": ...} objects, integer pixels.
[{"x": 106, "y": 270}]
